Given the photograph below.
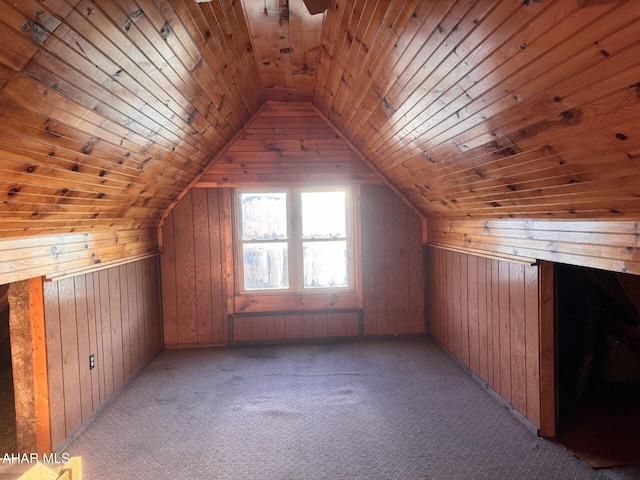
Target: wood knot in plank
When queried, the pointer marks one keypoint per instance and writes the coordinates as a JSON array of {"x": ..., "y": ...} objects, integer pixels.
[
  {"x": 165, "y": 31},
  {"x": 571, "y": 117}
]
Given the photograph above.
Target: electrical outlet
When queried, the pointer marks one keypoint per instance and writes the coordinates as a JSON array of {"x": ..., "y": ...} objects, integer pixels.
[{"x": 92, "y": 361}]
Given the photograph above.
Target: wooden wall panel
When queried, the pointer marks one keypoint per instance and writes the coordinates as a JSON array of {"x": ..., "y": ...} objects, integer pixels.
[
  {"x": 608, "y": 245},
  {"x": 193, "y": 271},
  {"x": 25, "y": 258},
  {"x": 489, "y": 319},
  {"x": 195, "y": 233},
  {"x": 263, "y": 327},
  {"x": 392, "y": 266},
  {"x": 288, "y": 143},
  {"x": 84, "y": 315}
]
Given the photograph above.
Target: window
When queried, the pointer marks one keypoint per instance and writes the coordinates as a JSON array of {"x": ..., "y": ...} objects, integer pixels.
[{"x": 294, "y": 240}]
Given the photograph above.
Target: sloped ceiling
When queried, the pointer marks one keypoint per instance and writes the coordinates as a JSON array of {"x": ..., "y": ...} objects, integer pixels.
[{"x": 483, "y": 109}]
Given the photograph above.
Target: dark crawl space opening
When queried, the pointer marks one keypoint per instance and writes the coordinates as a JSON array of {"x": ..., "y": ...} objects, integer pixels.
[
  {"x": 7, "y": 402},
  {"x": 598, "y": 365}
]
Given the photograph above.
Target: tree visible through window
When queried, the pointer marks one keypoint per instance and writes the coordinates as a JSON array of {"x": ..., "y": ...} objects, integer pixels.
[{"x": 295, "y": 239}]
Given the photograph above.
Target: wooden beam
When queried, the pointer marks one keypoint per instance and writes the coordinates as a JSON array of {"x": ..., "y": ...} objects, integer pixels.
[
  {"x": 547, "y": 353},
  {"x": 30, "y": 373},
  {"x": 486, "y": 254}
]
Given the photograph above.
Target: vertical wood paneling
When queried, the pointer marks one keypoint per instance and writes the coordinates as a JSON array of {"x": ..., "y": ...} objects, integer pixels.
[
  {"x": 70, "y": 360},
  {"x": 137, "y": 355},
  {"x": 99, "y": 352},
  {"x": 505, "y": 330},
  {"x": 451, "y": 305},
  {"x": 532, "y": 344},
  {"x": 353, "y": 324},
  {"x": 369, "y": 208},
  {"x": 185, "y": 270},
  {"x": 473, "y": 313},
  {"x": 260, "y": 327},
  {"x": 55, "y": 363},
  {"x": 464, "y": 308},
  {"x": 106, "y": 361},
  {"x": 517, "y": 342},
  {"x": 93, "y": 337},
  {"x": 193, "y": 271},
  {"x": 382, "y": 268},
  {"x": 293, "y": 326},
  {"x": 169, "y": 286},
  {"x": 392, "y": 264},
  {"x": 547, "y": 348},
  {"x": 202, "y": 255},
  {"x": 242, "y": 329},
  {"x": 456, "y": 317},
  {"x": 415, "y": 256},
  {"x": 482, "y": 322},
  {"x": 82, "y": 325},
  {"x": 86, "y": 315},
  {"x": 217, "y": 241},
  {"x": 495, "y": 304},
  {"x": 495, "y": 325},
  {"x": 307, "y": 325},
  {"x": 195, "y": 267},
  {"x": 400, "y": 266},
  {"x": 125, "y": 322},
  {"x": 115, "y": 320}
]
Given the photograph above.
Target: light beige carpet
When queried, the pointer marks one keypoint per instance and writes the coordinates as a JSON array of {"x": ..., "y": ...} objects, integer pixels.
[{"x": 383, "y": 409}]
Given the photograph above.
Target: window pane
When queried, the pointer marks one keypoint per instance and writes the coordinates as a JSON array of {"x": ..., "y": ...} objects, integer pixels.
[
  {"x": 264, "y": 216},
  {"x": 325, "y": 264},
  {"x": 266, "y": 266},
  {"x": 324, "y": 215}
]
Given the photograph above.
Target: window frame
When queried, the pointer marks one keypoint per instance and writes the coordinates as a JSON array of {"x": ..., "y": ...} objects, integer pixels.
[{"x": 296, "y": 297}]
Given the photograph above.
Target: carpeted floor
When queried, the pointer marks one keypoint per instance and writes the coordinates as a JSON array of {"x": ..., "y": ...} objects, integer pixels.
[{"x": 393, "y": 409}]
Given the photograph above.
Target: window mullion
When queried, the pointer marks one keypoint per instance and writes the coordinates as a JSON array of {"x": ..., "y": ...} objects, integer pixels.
[{"x": 295, "y": 240}]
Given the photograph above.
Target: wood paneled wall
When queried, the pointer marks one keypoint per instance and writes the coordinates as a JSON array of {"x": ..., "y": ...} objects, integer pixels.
[
  {"x": 608, "y": 245},
  {"x": 24, "y": 258},
  {"x": 392, "y": 264},
  {"x": 289, "y": 143},
  {"x": 194, "y": 275},
  {"x": 193, "y": 269},
  {"x": 113, "y": 314},
  {"x": 486, "y": 312},
  {"x": 295, "y": 326}
]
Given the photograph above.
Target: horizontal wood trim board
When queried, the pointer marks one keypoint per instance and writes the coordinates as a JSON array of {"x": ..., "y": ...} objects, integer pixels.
[
  {"x": 480, "y": 253},
  {"x": 98, "y": 267},
  {"x": 608, "y": 245},
  {"x": 22, "y": 258}
]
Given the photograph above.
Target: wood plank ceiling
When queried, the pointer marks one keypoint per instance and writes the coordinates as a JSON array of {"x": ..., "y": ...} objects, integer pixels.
[{"x": 471, "y": 108}]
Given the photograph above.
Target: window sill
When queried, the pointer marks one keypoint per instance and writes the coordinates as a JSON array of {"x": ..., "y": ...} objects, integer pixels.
[{"x": 287, "y": 302}]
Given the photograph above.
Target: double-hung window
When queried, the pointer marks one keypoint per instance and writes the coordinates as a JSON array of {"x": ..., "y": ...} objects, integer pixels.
[{"x": 295, "y": 240}]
